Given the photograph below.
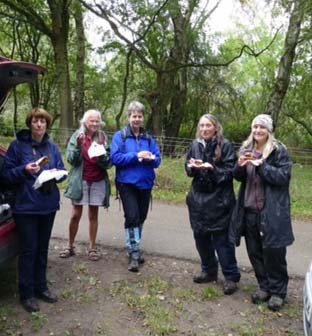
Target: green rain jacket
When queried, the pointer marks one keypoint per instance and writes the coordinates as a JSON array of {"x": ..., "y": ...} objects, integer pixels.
[{"x": 74, "y": 158}]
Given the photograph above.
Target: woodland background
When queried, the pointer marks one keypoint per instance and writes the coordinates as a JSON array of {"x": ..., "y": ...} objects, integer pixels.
[{"x": 165, "y": 54}]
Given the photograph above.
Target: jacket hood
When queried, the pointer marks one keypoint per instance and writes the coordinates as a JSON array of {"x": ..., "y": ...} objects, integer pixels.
[{"x": 24, "y": 135}]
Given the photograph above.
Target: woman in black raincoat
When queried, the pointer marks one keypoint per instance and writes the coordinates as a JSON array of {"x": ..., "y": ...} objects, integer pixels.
[
  {"x": 262, "y": 213},
  {"x": 210, "y": 162}
]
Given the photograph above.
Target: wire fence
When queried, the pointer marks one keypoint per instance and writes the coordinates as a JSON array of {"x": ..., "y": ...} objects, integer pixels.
[{"x": 169, "y": 146}]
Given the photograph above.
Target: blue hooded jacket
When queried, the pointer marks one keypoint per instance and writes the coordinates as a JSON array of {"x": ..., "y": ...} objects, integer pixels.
[
  {"x": 22, "y": 151},
  {"x": 124, "y": 153}
]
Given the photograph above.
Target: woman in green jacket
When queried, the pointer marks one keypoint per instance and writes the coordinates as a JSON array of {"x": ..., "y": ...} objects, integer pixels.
[{"x": 88, "y": 184}]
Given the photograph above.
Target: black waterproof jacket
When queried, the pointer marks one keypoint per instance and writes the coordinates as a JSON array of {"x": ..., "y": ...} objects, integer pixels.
[
  {"x": 275, "y": 173},
  {"x": 211, "y": 198}
]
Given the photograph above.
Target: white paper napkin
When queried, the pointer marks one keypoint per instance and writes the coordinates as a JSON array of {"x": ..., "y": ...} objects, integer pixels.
[{"x": 96, "y": 150}]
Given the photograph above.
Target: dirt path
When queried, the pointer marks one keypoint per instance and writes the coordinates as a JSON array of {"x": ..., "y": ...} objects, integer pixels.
[{"x": 103, "y": 298}]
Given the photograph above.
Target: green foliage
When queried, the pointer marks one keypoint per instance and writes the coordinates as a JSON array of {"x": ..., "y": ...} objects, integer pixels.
[{"x": 237, "y": 132}]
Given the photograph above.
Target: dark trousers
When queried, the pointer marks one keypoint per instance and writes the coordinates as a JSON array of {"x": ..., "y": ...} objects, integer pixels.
[
  {"x": 208, "y": 244},
  {"x": 269, "y": 264},
  {"x": 135, "y": 204},
  {"x": 34, "y": 235}
]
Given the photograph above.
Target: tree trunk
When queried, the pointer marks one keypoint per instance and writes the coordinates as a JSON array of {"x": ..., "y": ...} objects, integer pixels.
[
  {"x": 59, "y": 38},
  {"x": 180, "y": 54},
  {"x": 284, "y": 71},
  {"x": 80, "y": 76},
  {"x": 159, "y": 101}
]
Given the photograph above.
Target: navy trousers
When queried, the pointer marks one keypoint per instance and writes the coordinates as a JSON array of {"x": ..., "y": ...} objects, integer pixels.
[
  {"x": 269, "y": 264},
  {"x": 211, "y": 243},
  {"x": 34, "y": 233}
]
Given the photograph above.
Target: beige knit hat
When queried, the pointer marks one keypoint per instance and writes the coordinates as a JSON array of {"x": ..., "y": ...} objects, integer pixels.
[{"x": 263, "y": 120}]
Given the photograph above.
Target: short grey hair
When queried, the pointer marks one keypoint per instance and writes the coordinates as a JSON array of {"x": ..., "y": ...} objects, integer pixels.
[
  {"x": 87, "y": 115},
  {"x": 135, "y": 106}
]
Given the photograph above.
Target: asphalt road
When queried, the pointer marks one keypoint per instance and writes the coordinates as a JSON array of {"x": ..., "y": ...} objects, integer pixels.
[{"x": 167, "y": 232}]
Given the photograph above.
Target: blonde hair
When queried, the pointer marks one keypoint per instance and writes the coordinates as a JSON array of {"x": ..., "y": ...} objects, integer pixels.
[{"x": 219, "y": 134}]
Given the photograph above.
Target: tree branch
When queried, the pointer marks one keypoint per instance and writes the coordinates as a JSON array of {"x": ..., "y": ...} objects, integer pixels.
[
  {"x": 102, "y": 13},
  {"x": 152, "y": 21},
  {"x": 245, "y": 48},
  {"x": 204, "y": 15},
  {"x": 24, "y": 8},
  {"x": 300, "y": 122}
]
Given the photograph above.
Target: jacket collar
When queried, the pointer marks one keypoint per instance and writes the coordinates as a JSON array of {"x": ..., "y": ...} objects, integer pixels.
[{"x": 129, "y": 132}]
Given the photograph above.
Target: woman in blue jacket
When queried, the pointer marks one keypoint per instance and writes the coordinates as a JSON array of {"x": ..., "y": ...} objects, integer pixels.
[
  {"x": 34, "y": 209},
  {"x": 135, "y": 154}
]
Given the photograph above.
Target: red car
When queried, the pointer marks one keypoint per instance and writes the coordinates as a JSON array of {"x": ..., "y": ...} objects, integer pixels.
[{"x": 12, "y": 73}]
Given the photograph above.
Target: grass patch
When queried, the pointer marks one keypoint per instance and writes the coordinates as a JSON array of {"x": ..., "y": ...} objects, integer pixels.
[
  {"x": 300, "y": 191},
  {"x": 8, "y": 325},
  {"x": 211, "y": 294},
  {"x": 184, "y": 294},
  {"x": 38, "y": 320},
  {"x": 81, "y": 269},
  {"x": 151, "y": 300}
]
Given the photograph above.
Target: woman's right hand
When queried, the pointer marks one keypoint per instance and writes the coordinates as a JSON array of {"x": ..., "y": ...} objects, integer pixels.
[
  {"x": 32, "y": 168},
  {"x": 242, "y": 161},
  {"x": 80, "y": 139}
]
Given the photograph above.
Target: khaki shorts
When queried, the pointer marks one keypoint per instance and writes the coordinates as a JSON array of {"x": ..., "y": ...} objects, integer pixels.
[{"x": 93, "y": 193}]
